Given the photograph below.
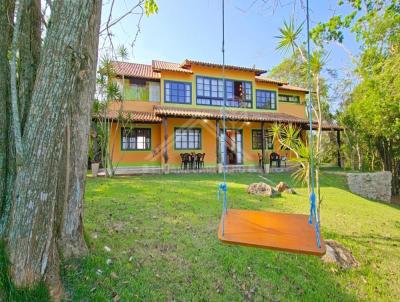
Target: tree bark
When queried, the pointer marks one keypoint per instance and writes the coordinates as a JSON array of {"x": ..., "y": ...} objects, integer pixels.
[
  {"x": 71, "y": 242},
  {"x": 6, "y": 141},
  {"x": 32, "y": 230},
  {"x": 29, "y": 54}
]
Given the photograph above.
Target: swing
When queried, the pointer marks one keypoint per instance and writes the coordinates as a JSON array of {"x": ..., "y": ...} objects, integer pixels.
[{"x": 294, "y": 233}]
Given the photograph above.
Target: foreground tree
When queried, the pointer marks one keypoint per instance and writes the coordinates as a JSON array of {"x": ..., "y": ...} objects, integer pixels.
[
  {"x": 47, "y": 89},
  {"x": 48, "y": 109}
]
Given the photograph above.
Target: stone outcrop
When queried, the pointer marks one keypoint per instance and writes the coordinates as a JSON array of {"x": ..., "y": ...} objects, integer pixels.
[
  {"x": 263, "y": 189},
  {"x": 376, "y": 186},
  {"x": 339, "y": 254},
  {"x": 284, "y": 187}
]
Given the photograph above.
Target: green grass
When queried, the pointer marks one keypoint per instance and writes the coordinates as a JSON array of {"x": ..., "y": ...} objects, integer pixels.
[{"x": 167, "y": 226}]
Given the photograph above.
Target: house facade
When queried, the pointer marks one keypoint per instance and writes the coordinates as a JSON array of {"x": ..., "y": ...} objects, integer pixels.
[{"x": 173, "y": 108}]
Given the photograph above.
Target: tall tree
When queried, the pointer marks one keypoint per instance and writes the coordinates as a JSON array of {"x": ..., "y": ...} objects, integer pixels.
[{"x": 372, "y": 111}]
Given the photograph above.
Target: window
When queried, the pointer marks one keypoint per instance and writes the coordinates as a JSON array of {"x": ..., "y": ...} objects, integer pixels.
[
  {"x": 265, "y": 99},
  {"x": 257, "y": 139},
  {"x": 187, "y": 138},
  {"x": 289, "y": 98},
  {"x": 135, "y": 138},
  {"x": 141, "y": 90},
  {"x": 178, "y": 92},
  {"x": 238, "y": 94},
  {"x": 210, "y": 91}
]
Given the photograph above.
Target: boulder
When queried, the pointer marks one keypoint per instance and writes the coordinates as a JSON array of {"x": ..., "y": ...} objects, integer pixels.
[
  {"x": 284, "y": 187},
  {"x": 339, "y": 254},
  {"x": 262, "y": 189}
]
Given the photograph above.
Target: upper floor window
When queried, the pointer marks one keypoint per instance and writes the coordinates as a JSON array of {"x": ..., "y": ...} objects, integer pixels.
[
  {"x": 257, "y": 139},
  {"x": 210, "y": 91},
  {"x": 289, "y": 98},
  {"x": 141, "y": 90},
  {"x": 265, "y": 99},
  {"x": 177, "y": 92},
  {"x": 135, "y": 138}
]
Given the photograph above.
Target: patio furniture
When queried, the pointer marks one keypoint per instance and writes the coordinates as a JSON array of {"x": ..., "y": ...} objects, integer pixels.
[
  {"x": 184, "y": 160},
  {"x": 274, "y": 157},
  {"x": 200, "y": 160}
]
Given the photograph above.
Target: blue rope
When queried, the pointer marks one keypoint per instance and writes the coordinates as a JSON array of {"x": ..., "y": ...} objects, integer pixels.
[
  {"x": 313, "y": 212},
  {"x": 223, "y": 187}
]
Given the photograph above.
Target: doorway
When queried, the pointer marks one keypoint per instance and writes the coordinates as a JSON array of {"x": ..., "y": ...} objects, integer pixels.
[{"x": 234, "y": 146}]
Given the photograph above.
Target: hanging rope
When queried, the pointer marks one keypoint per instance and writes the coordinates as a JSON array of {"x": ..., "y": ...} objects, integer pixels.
[
  {"x": 223, "y": 187},
  {"x": 313, "y": 212}
]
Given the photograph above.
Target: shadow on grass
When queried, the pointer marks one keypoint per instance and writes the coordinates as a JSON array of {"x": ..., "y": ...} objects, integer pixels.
[{"x": 8, "y": 292}]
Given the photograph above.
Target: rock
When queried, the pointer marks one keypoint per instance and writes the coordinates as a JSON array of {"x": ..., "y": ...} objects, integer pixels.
[
  {"x": 284, "y": 187},
  {"x": 376, "y": 186},
  {"x": 107, "y": 249},
  {"x": 290, "y": 191},
  {"x": 262, "y": 189},
  {"x": 339, "y": 254}
]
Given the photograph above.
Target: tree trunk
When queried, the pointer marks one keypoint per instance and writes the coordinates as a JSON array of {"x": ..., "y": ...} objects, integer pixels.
[
  {"x": 6, "y": 142},
  {"x": 72, "y": 243},
  {"x": 29, "y": 54},
  {"x": 32, "y": 231}
]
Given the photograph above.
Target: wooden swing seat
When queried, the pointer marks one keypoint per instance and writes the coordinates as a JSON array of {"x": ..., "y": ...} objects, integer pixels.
[{"x": 277, "y": 231}]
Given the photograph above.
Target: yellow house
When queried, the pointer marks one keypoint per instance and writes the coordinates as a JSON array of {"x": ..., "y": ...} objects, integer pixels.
[{"x": 172, "y": 109}]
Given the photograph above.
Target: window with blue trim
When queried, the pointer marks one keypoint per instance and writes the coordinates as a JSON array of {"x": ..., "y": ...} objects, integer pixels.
[
  {"x": 210, "y": 91},
  {"x": 265, "y": 99},
  {"x": 177, "y": 92}
]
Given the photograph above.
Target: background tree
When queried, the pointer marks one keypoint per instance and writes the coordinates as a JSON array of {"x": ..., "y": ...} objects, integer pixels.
[{"x": 372, "y": 110}]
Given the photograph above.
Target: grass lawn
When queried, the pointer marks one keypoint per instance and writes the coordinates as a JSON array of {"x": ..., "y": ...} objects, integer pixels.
[{"x": 162, "y": 232}]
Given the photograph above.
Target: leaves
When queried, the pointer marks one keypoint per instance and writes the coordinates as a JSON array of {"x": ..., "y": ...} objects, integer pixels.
[{"x": 289, "y": 36}]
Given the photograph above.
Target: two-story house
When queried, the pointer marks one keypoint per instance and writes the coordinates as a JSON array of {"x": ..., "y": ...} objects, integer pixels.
[{"x": 176, "y": 108}]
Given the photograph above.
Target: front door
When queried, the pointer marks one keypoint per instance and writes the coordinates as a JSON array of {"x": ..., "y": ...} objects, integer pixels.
[{"x": 234, "y": 146}]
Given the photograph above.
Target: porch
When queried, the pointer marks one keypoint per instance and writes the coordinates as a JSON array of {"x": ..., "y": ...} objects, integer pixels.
[{"x": 152, "y": 170}]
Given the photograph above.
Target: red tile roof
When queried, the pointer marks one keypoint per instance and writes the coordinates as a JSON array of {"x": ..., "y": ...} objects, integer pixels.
[
  {"x": 162, "y": 65},
  {"x": 234, "y": 115},
  {"x": 294, "y": 88},
  {"x": 269, "y": 80},
  {"x": 143, "y": 71},
  {"x": 134, "y": 116},
  {"x": 188, "y": 62}
]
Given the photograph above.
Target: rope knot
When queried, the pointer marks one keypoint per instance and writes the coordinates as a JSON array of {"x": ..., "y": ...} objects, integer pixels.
[{"x": 222, "y": 187}]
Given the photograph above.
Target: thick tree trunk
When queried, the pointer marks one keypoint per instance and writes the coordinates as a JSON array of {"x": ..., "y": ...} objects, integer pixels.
[
  {"x": 71, "y": 240},
  {"x": 6, "y": 142},
  {"x": 32, "y": 230}
]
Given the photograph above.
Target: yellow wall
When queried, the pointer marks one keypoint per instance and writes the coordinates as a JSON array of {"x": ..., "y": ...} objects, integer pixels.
[
  {"x": 133, "y": 158},
  {"x": 208, "y": 143}
]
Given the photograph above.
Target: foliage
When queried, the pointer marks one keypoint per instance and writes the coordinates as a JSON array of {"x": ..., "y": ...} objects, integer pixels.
[
  {"x": 371, "y": 112},
  {"x": 162, "y": 232}
]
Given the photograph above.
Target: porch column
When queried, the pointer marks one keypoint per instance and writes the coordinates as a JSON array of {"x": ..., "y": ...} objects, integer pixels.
[
  {"x": 339, "y": 159},
  {"x": 263, "y": 146},
  {"x": 165, "y": 145},
  {"x": 217, "y": 134}
]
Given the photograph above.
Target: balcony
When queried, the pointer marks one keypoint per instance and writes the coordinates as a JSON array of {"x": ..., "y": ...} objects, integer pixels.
[{"x": 141, "y": 90}]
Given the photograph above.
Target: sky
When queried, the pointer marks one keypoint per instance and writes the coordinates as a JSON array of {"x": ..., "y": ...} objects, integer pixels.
[{"x": 192, "y": 29}]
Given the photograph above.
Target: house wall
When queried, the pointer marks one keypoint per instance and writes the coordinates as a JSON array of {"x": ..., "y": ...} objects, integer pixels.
[
  {"x": 154, "y": 157},
  {"x": 133, "y": 157}
]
